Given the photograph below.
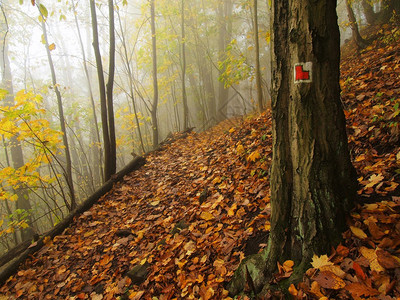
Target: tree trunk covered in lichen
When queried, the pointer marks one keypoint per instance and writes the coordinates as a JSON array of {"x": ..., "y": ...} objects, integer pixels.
[{"x": 313, "y": 181}]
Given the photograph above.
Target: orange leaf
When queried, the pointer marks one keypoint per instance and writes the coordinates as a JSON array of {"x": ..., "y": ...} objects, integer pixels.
[
  {"x": 359, "y": 272},
  {"x": 357, "y": 290},
  {"x": 292, "y": 290},
  {"x": 342, "y": 250},
  {"x": 358, "y": 232},
  {"x": 253, "y": 156},
  {"x": 206, "y": 292},
  {"x": 205, "y": 215},
  {"x": 288, "y": 265},
  {"x": 136, "y": 295},
  {"x": 106, "y": 259}
]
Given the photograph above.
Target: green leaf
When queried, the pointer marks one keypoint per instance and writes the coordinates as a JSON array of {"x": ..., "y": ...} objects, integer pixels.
[{"x": 43, "y": 10}]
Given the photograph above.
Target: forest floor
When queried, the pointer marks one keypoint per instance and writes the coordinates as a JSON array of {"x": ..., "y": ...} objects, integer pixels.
[{"x": 201, "y": 204}]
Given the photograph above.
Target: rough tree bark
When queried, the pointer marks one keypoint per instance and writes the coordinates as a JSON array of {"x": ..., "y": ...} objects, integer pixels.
[{"x": 313, "y": 182}]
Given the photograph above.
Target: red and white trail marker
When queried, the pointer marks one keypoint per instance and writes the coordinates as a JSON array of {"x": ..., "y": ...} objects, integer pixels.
[{"x": 303, "y": 72}]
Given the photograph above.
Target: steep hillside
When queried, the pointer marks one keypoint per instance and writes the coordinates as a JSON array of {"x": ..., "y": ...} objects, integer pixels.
[{"x": 179, "y": 226}]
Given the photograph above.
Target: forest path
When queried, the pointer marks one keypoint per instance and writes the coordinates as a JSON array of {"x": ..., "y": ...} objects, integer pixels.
[
  {"x": 189, "y": 211},
  {"x": 210, "y": 188}
]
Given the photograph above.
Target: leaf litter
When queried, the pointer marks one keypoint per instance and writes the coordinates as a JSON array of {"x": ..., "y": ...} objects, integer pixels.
[{"x": 186, "y": 218}]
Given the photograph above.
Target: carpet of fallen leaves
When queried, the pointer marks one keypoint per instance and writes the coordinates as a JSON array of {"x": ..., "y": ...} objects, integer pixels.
[{"x": 200, "y": 204}]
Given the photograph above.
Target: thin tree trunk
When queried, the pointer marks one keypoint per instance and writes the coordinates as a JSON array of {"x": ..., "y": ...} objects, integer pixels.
[
  {"x": 85, "y": 69},
  {"x": 184, "y": 97},
  {"x": 369, "y": 13},
  {"x": 110, "y": 85},
  {"x": 260, "y": 102},
  {"x": 103, "y": 96},
  {"x": 155, "y": 83},
  {"x": 223, "y": 93},
  {"x": 360, "y": 42},
  {"x": 68, "y": 165},
  {"x": 130, "y": 77}
]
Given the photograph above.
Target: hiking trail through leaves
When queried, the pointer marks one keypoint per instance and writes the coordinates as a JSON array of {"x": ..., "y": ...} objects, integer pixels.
[{"x": 184, "y": 218}]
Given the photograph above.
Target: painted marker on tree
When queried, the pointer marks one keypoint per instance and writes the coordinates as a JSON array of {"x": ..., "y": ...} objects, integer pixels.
[{"x": 303, "y": 72}]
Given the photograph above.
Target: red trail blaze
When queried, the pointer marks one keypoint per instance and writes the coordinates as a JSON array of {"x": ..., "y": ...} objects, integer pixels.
[{"x": 301, "y": 74}]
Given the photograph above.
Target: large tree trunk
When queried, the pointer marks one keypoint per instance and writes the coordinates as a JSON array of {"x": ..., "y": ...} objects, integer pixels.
[{"x": 313, "y": 182}]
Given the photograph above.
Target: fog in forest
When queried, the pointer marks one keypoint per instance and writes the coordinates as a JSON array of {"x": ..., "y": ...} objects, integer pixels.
[{"x": 63, "y": 134}]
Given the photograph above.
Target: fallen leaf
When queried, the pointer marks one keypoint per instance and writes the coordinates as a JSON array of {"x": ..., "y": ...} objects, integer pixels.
[
  {"x": 316, "y": 289},
  {"x": 292, "y": 290},
  {"x": 288, "y": 265},
  {"x": 372, "y": 258},
  {"x": 320, "y": 261},
  {"x": 359, "y": 271},
  {"x": 328, "y": 280},
  {"x": 358, "y": 232},
  {"x": 374, "y": 180},
  {"x": 386, "y": 260},
  {"x": 357, "y": 290},
  {"x": 205, "y": 215}
]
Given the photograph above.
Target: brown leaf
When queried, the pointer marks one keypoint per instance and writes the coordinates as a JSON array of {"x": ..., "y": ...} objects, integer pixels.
[
  {"x": 328, "y": 280},
  {"x": 386, "y": 260},
  {"x": 374, "y": 230},
  {"x": 357, "y": 289}
]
